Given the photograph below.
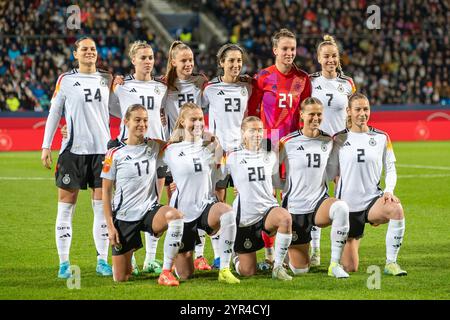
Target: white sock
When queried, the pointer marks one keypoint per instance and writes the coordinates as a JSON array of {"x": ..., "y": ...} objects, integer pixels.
[
  {"x": 227, "y": 233},
  {"x": 298, "y": 271},
  {"x": 100, "y": 230},
  {"x": 200, "y": 248},
  {"x": 172, "y": 242},
  {"x": 268, "y": 253},
  {"x": 282, "y": 242},
  {"x": 315, "y": 239},
  {"x": 63, "y": 230},
  {"x": 394, "y": 238},
  {"x": 340, "y": 225},
  {"x": 216, "y": 246},
  {"x": 151, "y": 245}
]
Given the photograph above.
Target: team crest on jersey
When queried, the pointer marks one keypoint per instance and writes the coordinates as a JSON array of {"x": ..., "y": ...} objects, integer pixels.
[
  {"x": 294, "y": 236},
  {"x": 157, "y": 91},
  {"x": 247, "y": 243},
  {"x": 103, "y": 82},
  {"x": 66, "y": 179},
  {"x": 324, "y": 146},
  {"x": 340, "y": 88},
  {"x": 243, "y": 92},
  {"x": 372, "y": 142}
]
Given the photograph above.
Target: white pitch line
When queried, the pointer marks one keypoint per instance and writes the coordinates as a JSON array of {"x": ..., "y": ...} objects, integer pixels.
[
  {"x": 418, "y": 176},
  {"x": 25, "y": 178},
  {"x": 422, "y": 167}
]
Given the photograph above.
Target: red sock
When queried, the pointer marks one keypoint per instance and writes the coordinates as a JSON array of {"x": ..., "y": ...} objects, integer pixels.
[{"x": 268, "y": 241}]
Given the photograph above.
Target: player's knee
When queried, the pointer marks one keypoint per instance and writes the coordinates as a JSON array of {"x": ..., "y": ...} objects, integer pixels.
[
  {"x": 285, "y": 221},
  {"x": 395, "y": 212},
  {"x": 246, "y": 271},
  {"x": 350, "y": 266},
  {"x": 173, "y": 214},
  {"x": 339, "y": 211},
  {"x": 120, "y": 277}
]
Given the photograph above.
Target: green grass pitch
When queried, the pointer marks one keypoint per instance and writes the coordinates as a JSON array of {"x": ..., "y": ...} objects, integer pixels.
[{"x": 29, "y": 262}]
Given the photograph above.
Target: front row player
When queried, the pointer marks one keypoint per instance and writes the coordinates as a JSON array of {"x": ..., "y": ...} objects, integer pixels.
[
  {"x": 131, "y": 169},
  {"x": 358, "y": 158},
  {"x": 192, "y": 157},
  {"x": 254, "y": 170},
  {"x": 305, "y": 153}
]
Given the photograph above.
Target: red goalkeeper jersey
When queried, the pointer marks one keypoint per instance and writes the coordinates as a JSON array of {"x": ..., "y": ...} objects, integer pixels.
[{"x": 276, "y": 99}]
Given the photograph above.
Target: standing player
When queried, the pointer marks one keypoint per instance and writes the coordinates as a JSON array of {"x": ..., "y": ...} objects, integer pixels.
[
  {"x": 225, "y": 97},
  {"x": 83, "y": 94},
  {"x": 192, "y": 159},
  {"x": 141, "y": 88},
  {"x": 333, "y": 89},
  {"x": 358, "y": 159},
  {"x": 305, "y": 153},
  {"x": 184, "y": 86},
  {"x": 277, "y": 94},
  {"x": 257, "y": 209},
  {"x": 131, "y": 169}
]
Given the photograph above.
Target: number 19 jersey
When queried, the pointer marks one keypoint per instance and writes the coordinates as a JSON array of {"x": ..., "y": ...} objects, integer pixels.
[{"x": 306, "y": 176}]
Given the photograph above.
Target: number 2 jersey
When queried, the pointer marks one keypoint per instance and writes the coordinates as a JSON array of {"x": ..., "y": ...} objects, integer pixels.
[
  {"x": 358, "y": 159},
  {"x": 276, "y": 99},
  {"x": 84, "y": 99},
  {"x": 133, "y": 169},
  {"x": 252, "y": 173},
  {"x": 191, "y": 165},
  {"x": 150, "y": 94},
  {"x": 334, "y": 94},
  {"x": 226, "y": 104},
  {"x": 306, "y": 162}
]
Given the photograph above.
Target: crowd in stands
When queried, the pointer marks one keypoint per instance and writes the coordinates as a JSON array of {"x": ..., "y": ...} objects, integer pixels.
[
  {"x": 36, "y": 45},
  {"x": 404, "y": 62}
]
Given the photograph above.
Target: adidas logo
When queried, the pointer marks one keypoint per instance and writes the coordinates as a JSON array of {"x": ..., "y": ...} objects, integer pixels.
[
  {"x": 243, "y": 161},
  {"x": 318, "y": 88},
  {"x": 221, "y": 93},
  {"x": 67, "y": 235},
  {"x": 133, "y": 90},
  {"x": 301, "y": 148},
  {"x": 181, "y": 154},
  {"x": 77, "y": 84},
  {"x": 127, "y": 158},
  {"x": 346, "y": 144}
]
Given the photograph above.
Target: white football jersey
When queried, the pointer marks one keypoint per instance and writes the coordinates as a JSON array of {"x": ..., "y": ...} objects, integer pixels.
[
  {"x": 84, "y": 99},
  {"x": 150, "y": 94},
  {"x": 191, "y": 165},
  {"x": 306, "y": 177},
  {"x": 334, "y": 94},
  {"x": 226, "y": 104},
  {"x": 133, "y": 168},
  {"x": 252, "y": 173},
  {"x": 359, "y": 159},
  {"x": 188, "y": 91}
]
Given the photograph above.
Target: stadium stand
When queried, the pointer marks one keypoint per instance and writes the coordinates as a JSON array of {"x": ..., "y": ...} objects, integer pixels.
[{"x": 36, "y": 45}]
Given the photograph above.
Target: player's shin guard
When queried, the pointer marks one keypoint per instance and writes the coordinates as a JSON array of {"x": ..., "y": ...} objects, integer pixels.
[
  {"x": 315, "y": 239},
  {"x": 338, "y": 214},
  {"x": 100, "y": 230},
  {"x": 63, "y": 230},
  {"x": 227, "y": 233},
  {"x": 172, "y": 242},
  {"x": 200, "y": 248},
  {"x": 282, "y": 242},
  {"x": 268, "y": 246},
  {"x": 151, "y": 245},
  {"x": 394, "y": 238}
]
